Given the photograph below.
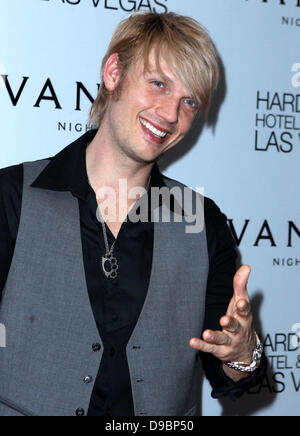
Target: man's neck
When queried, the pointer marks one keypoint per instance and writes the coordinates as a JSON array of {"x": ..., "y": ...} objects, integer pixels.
[
  {"x": 108, "y": 169},
  {"x": 106, "y": 166}
]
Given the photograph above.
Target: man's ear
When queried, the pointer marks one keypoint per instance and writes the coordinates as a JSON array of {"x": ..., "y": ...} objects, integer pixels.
[{"x": 111, "y": 74}]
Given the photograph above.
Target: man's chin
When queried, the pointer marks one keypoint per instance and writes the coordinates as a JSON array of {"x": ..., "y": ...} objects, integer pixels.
[
  {"x": 143, "y": 158},
  {"x": 150, "y": 154}
]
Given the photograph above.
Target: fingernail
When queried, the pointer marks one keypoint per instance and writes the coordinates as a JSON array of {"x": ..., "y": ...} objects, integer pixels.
[
  {"x": 208, "y": 337},
  {"x": 194, "y": 342}
]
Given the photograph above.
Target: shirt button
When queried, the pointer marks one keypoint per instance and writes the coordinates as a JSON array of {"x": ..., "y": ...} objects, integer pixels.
[
  {"x": 80, "y": 412},
  {"x": 88, "y": 379},
  {"x": 96, "y": 347},
  {"x": 114, "y": 317},
  {"x": 112, "y": 351}
]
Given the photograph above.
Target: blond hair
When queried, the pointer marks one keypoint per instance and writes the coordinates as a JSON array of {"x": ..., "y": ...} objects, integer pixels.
[{"x": 182, "y": 40}]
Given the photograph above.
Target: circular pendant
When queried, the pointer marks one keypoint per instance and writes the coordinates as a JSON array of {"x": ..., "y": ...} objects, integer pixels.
[{"x": 108, "y": 260}]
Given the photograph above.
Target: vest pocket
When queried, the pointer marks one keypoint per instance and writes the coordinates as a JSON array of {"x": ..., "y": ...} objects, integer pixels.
[{"x": 13, "y": 407}]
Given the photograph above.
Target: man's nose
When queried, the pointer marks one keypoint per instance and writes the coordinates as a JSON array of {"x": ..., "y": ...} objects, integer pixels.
[{"x": 168, "y": 109}]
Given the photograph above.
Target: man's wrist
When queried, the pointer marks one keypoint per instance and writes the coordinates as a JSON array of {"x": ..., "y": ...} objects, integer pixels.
[
  {"x": 234, "y": 375},
  {"x": 248, "y": 366}
]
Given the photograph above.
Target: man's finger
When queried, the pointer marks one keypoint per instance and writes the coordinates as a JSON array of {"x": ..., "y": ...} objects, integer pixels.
[
  {"x": 216, "y": 337},
  {"x": 230, "y": 324},
  {"x": 243, "y": 308},
  {"x": 240, "y": 282},
  {"x": 200, "y": 345}
]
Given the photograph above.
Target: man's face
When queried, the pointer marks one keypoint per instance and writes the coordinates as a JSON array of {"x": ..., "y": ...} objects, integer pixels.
[{"x": 154, "y": 112}]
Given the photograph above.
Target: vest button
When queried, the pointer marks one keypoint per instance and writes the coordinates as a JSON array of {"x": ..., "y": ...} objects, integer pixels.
[
  {"x": 88, "y": 379},
  {"x": 96, "y": 347},
  {"x": 80, "y": 412}
]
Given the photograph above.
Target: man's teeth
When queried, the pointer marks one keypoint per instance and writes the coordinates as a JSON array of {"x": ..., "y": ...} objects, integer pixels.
[{"x": 152, "y": 129}]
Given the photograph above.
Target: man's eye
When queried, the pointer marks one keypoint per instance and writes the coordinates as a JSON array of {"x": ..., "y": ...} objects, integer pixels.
[
  {"x": 158, "y": 83},
  {"x": 191, "y": 103}
]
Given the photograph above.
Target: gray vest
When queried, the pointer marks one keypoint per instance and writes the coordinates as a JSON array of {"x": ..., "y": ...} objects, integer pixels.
[{"x": 50, "y": 327}]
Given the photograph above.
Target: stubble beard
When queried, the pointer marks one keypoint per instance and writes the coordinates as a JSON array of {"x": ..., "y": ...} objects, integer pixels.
[{"x": 126, "y": 150}]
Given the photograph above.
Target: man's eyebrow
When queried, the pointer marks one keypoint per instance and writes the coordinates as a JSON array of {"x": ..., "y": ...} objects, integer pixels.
[
  {"x": 166, "y": 79},
  {"x": 160, "y": 74}
]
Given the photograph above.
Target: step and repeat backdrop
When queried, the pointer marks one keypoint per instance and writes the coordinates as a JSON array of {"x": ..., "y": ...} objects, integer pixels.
[{"x": 246, "y": 155}]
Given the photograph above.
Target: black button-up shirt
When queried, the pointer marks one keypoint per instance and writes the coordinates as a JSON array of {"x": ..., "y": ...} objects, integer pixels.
[{"x": 117, "y": 303}]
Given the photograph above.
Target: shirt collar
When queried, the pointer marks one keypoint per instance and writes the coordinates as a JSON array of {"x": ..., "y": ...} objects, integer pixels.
[{"x": 66, "y": 171}]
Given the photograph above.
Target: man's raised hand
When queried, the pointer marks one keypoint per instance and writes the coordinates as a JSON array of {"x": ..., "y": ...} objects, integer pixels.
[{"x": 236, "y": 341}]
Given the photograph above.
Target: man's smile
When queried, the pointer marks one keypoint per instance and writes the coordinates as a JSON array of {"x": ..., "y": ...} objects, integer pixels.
[{"x": 158, "y": 133}]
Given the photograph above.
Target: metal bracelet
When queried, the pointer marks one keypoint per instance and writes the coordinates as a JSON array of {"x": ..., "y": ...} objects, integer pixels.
[{"x": 256, "y": 359}]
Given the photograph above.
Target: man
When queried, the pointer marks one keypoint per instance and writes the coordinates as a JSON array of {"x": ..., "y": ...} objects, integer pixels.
[{"x": 104, "y": 314}]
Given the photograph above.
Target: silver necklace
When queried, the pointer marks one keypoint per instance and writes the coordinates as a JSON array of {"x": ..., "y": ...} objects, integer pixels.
[{"x": 108, "y": 259}]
